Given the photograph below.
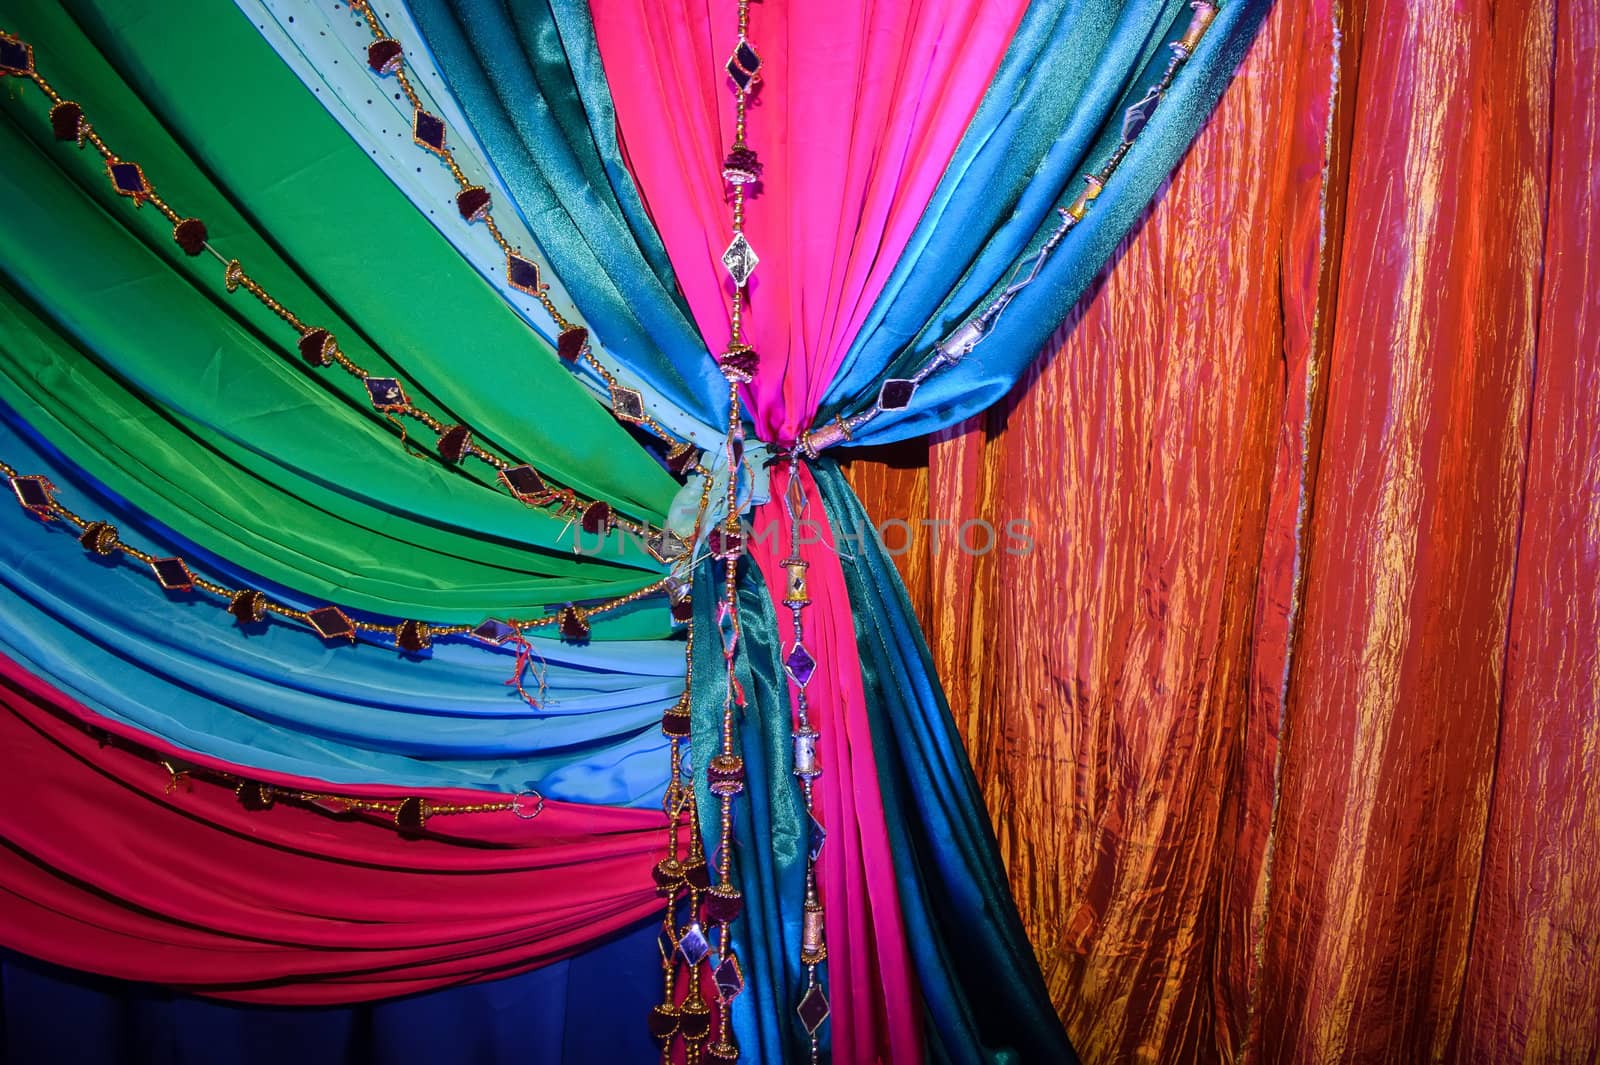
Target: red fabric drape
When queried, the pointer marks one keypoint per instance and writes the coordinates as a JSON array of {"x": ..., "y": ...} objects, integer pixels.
[
  {"x": 1290, "y": 721},
  {"x": 105, "y": 869}
]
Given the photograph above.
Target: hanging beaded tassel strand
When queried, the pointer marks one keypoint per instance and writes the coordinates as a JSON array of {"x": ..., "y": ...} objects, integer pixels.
[
  {"x": 726, "y": 773},
  {"x": 682, "y": 878},
  {"x": 799, "y": 664}
]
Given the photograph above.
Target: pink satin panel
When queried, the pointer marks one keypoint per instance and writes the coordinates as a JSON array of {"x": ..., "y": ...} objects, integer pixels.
[
  {"x": 105, "y": 869},
  {"x": 859, "y": 110},
  {"x": 851, "y": 157},
  {"x": 869, "y": 965}
]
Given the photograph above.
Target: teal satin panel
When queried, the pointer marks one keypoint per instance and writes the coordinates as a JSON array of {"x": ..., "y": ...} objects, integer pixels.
[
  {"x": 985, "y": 999},
  {"x": 1053, "y": 113},
  {"x": 769, "y": 857},
  {"x": 274, "y": 696},
  {"x": 529, "y": 78}
]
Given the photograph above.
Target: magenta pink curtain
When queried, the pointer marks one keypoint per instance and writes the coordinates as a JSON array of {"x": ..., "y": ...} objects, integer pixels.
[
  {"x": 851, "y": 159},
  {"x": 115, "y": 873}
]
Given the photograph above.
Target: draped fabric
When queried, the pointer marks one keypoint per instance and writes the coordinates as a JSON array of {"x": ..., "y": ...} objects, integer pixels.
[
  {"x": 563, "y": 1011},
  {"x": 1287, "y": 721},
  {"x": 529, "y": 80},
  {"x": 141, "y": 382},
  {"x": 288, "y": 905},
  {"x": 327, "y": 51},
  {"x": 1041, "y": 127},
  {"x": 852, "y": 158},
  {"x": 291, "y": 475},
  {"x": 278, "y": 698}
]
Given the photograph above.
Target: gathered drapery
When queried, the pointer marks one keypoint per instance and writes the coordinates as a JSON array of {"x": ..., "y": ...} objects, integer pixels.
[
  {"x": 201, "y": 430},
  {"x": 1286, "y": 723},
  {"x": 183, "y": 885}
]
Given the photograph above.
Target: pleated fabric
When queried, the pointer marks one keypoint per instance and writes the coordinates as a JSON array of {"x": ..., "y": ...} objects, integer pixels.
[
  {"x": 123, "y": 868},
  {"x": 285, "y": 471},
  {"x": 926, "y": 958}
]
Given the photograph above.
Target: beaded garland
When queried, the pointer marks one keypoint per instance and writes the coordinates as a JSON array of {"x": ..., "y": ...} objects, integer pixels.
[
  {"x": 738, "y": 363},
  {"x": 386, "y": 58},
  {"x": 37, "y": 495},
  {"x": 683, "y": 879},
  {"x": 407, "y": 813},
  {"x": 805, "y": 765}
]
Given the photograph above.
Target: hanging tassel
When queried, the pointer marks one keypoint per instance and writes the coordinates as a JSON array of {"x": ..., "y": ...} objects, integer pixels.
[{"x": 525, "y": 655}]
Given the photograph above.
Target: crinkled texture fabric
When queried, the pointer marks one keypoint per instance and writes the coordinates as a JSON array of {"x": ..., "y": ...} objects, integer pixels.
[
  {"x": 980, "y": 985},
  {"x": 1287, "y": 711},
  {"x": 1052, "y": 114}
]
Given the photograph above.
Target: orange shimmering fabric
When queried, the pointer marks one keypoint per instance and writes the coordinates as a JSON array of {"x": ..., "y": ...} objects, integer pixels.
[{"x": 1289, "y": 722}]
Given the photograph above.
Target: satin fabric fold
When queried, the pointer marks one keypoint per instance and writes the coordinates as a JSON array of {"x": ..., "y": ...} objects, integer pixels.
[
  {"x": 1052, "y": 114},
  {"x": 326, "y": 47},
  {"x": 290, "y": 473},
  {"x": 529, "y": 79},
  {"x": 277, "y": 697},
  {"x": 869, "y": 959},
  {"x": 769, "y": 821},
  {"x": 855, "y": 116},
  {"x": 107, "y": 869},
  {"x": 980, "y": 985}
]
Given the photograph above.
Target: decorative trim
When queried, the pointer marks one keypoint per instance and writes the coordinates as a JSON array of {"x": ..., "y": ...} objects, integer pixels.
[
  {"x": 317, "y": 346},
  {"x": 408, "y": 814},
  {"x": 37, "y": 495},
  {"x": 386, "y": 58}
]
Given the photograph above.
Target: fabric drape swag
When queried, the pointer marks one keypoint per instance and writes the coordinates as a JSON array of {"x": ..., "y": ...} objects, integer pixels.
[{"x": 911, "y": 162}]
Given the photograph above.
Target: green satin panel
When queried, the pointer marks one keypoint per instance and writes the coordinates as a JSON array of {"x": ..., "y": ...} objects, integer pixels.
[
  {"x": 203, "y": 415},
  {"x": 985, "y": 998},
  {"x": 529, "y": 76}
]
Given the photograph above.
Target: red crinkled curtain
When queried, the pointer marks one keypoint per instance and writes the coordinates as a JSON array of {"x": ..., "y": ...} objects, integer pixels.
[{"x": 1290, "y": 722}]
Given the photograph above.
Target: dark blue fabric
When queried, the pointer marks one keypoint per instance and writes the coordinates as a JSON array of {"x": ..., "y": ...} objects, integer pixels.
[{"x": 589, "y": 1010}]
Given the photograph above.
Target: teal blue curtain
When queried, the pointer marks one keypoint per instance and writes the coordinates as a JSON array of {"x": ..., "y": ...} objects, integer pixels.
[{"x": 1053, "y": 114}]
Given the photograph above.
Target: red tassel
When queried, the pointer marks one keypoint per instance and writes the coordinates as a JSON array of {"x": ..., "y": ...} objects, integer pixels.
[
  {"x": 524, "y": 656},
  {"x": 66, "y": 121},
  {"x": 190, "y": 235}
]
